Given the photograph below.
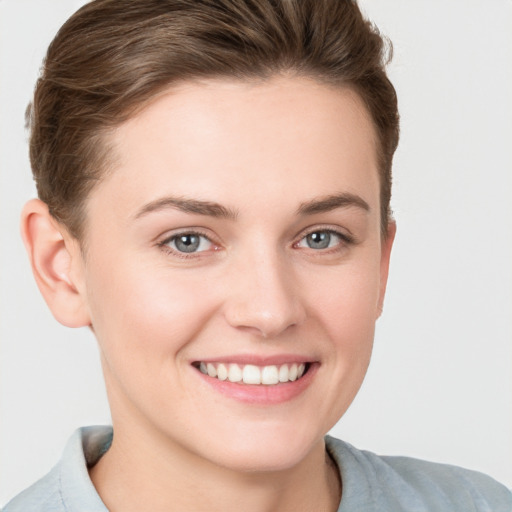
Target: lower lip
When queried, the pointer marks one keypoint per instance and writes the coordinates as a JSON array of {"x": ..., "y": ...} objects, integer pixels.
[{"x": 262, "y": 394}]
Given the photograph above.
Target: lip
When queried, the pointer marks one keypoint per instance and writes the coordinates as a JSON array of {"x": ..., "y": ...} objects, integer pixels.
[{"x": 261, "y": 394}]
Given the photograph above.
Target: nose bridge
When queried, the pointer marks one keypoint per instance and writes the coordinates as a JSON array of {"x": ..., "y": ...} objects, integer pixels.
[{"x": 264, "y": 296}]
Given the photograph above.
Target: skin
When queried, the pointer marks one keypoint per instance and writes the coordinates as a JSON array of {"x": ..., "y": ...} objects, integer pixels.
[{"x": 264, "y": 152}]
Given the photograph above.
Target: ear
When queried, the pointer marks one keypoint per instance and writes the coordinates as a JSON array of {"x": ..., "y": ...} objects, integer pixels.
[
  {"x": 57, "y": 264},
  {"x": 385, "y": 256}
]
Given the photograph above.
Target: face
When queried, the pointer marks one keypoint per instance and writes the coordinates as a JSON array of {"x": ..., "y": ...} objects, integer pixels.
[{"x": 235, "y": 269}]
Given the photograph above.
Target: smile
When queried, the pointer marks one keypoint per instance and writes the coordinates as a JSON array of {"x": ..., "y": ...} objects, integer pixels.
[
  {"x": 251, "y": 374},
  {"x": 257, "y": 380}
]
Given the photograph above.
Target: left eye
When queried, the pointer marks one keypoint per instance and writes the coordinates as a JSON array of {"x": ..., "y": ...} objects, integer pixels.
[
  {"x": 189, "y": 242},
  {"x": 320, "y": 240}
]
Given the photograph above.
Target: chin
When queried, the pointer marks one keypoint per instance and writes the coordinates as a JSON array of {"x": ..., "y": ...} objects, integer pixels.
[{"x": 264, "y": 450}]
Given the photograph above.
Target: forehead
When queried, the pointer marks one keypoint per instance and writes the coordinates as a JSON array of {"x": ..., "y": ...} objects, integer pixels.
[{"x": 275, "y": 139}]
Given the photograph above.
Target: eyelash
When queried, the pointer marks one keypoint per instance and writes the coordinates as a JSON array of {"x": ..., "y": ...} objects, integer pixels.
[{"x": 345, "y": 240}]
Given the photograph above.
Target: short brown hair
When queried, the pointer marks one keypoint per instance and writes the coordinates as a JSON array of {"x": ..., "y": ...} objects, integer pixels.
[{"x": 112, "y": 56}]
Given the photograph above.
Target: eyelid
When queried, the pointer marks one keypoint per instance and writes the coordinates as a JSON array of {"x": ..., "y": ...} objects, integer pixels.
[{"x": 183, "y": 231}]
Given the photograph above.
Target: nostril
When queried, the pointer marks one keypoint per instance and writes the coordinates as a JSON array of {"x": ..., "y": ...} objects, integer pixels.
[{"x": 264, "y": 325}]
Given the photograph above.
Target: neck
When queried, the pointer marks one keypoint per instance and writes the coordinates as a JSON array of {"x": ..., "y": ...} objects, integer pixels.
[{"x": 138, "y": 474}]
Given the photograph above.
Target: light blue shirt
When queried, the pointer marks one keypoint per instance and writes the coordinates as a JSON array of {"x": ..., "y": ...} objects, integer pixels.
[{"x": 371, "y": 483}]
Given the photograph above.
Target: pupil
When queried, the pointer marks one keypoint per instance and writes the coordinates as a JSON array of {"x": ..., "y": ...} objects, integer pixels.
[
  {"x": 187, "y": 243},
  {"x": 319, "y": 240}
]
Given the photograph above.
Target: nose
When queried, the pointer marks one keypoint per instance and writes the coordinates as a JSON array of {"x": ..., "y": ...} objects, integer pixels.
[{"x": 264, "y": 297}]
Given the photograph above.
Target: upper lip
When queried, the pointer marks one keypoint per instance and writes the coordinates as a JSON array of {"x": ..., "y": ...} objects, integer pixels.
[{"x": 258, "y": 360}]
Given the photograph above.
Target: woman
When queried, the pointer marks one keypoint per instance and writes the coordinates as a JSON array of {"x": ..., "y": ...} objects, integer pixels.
[{"x": 214, "y": 185}]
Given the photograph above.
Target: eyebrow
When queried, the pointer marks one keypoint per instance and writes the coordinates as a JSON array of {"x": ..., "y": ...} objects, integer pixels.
[
  {"x": 197, "y": 206},
  {"x": 332, "y": 202},
  {"x": 212, "y": 209}
]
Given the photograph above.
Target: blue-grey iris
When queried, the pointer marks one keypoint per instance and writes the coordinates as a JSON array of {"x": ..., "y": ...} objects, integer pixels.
[
  {"x": 187, "y": 242},
  {"x": 318, "y": 240}
]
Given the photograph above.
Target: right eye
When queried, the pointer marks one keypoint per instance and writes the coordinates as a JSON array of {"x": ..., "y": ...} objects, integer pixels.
[{"x": 188, "y": 243}]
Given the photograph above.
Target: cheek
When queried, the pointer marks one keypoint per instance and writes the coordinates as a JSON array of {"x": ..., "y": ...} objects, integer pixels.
[
  {"x": 346, "y": 301},
  {"x": 144, "y": 326},
  {"x": 346, "y": 310},
  {"x": 138, "y": 310}
]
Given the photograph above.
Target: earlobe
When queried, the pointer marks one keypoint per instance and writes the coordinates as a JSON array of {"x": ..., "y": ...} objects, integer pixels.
[
  {"x": 387, "y": 245},
  {"x": 56, "y": 262}
]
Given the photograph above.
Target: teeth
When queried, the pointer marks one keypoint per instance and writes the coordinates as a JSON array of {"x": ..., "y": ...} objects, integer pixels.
[
  {"x": 235, "y": 373},
  {"x": 269, "y": 375},
  {"x": 251, "y": 374},
  {"x": 212, "y": 371},
  {"x": 222, "y": 372}
]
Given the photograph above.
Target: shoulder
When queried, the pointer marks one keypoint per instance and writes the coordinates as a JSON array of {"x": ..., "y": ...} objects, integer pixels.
[
  {"x": 374, "y": 482},
  {"x": 43, "y": 496},
  {"x": 67, "y": 487}
]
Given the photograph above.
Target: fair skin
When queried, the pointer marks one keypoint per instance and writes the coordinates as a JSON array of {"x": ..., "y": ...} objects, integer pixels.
[{"x": 273, "y": 189}]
